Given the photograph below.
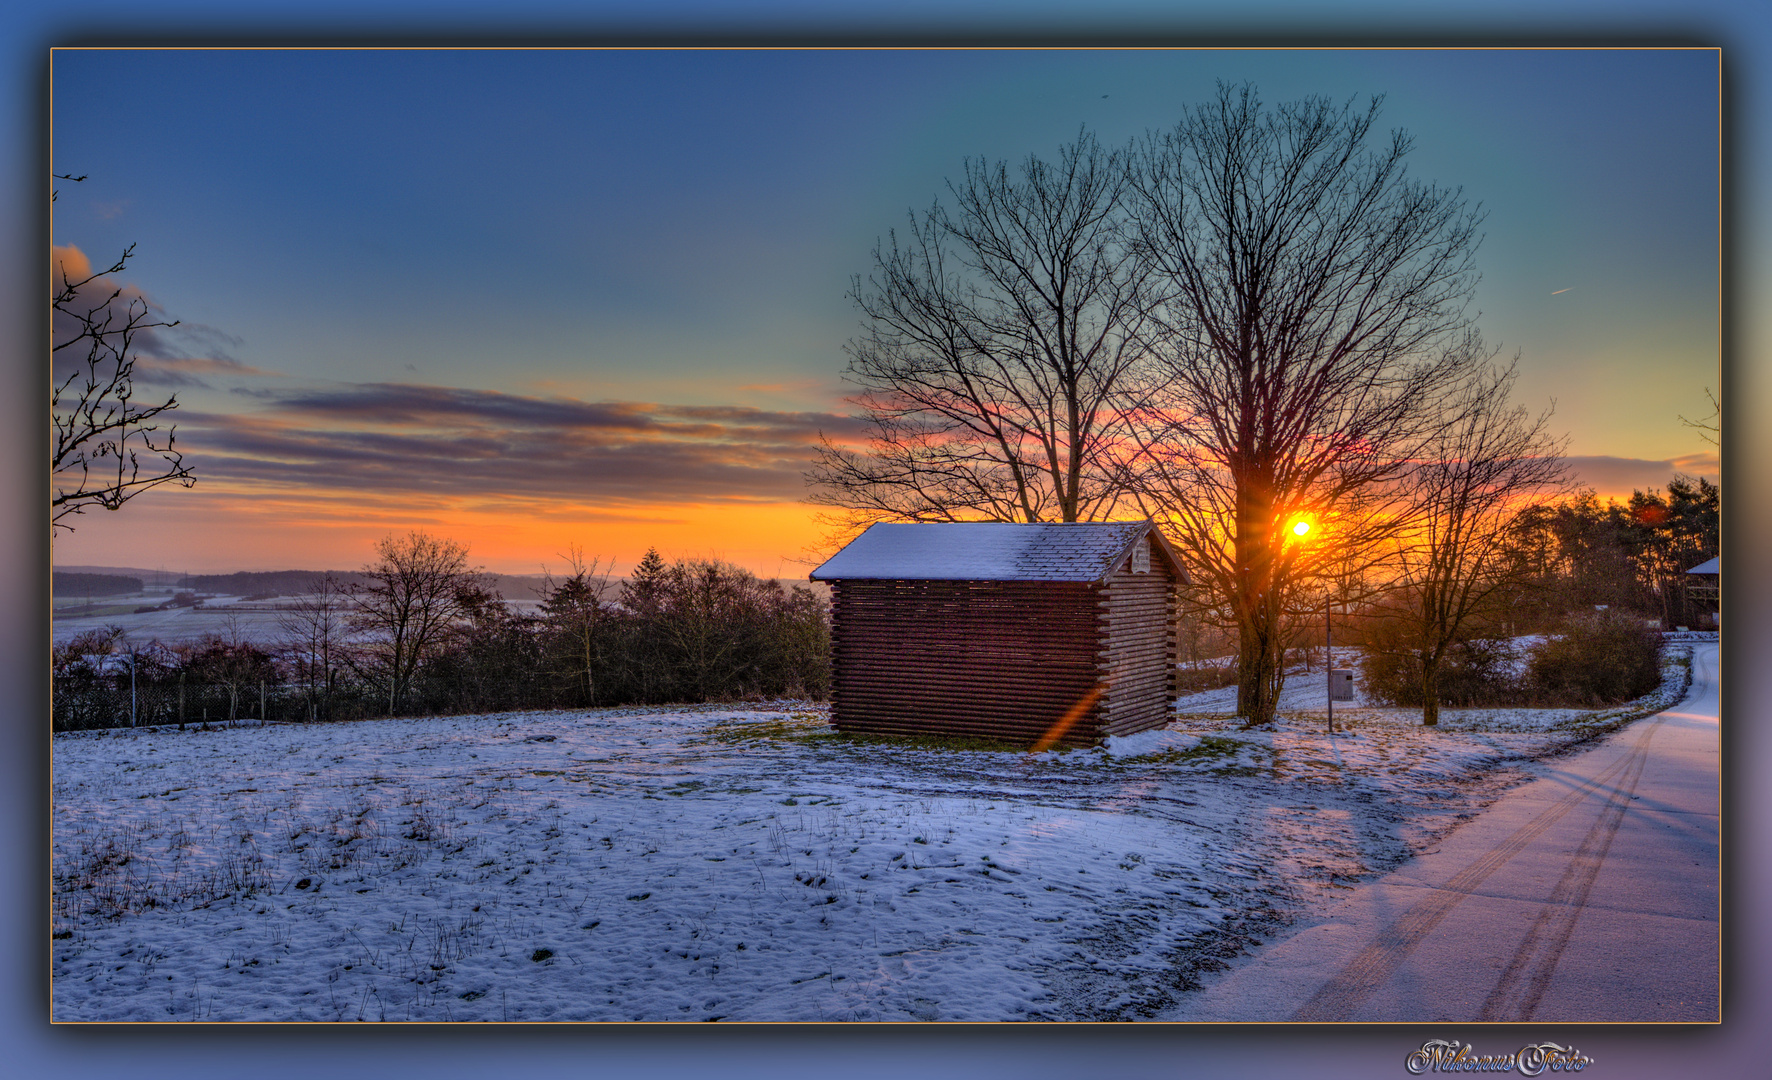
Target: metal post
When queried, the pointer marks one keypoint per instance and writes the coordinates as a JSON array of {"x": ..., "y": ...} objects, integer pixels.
[
  {"x": 131, "y": 687},
  {"x": 1329, "y": 660}
]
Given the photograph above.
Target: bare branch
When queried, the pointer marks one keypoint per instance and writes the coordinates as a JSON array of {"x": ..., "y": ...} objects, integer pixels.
[
  {"x": 996, "y": 336},
  {"x": 1710, "y": 429},
  {"x": 107, "y": 448}
]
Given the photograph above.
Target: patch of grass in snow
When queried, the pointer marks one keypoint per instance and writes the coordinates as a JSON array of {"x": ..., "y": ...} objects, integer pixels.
[
  {"x": 810, "y": 727},
  {"x": 795, "y": 727},
  {"x": 1216, "y": 754},
  {"x": 109, "y": 874},
  {"x": 959, "y": 743}
]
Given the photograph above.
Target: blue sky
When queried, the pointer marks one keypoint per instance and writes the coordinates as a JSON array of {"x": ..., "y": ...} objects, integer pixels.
[{"x": 678, "y": 229}]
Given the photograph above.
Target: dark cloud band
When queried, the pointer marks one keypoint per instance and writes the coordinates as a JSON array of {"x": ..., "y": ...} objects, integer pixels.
[
  {"x": 442, "y": 441},
  {"x": 1619, "y": 476}
]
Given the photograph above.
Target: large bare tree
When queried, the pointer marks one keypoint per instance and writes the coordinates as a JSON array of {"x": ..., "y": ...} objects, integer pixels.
[
  {"x": 996, "y": 337},
  {"x": 1486, "y": 463},
  {"x": 418, "y": 588},
  {"x": 1308, "y": 328},
  {"x": 108, "y": 447}
]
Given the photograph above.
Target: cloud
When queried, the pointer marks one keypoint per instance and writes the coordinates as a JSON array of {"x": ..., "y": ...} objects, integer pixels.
[
  {"x": 178, "y": 371},
  {"x": 431, "y": 442},
  {"x": 1617, "y": 476},
  {"x": 69, "y": 262},
  {"x": 166, "y": 352}
]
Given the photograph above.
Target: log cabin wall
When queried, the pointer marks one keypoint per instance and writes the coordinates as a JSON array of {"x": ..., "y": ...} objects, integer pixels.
[
  {"x": 1138, "y": 652},
  {"x": 993, "y": 659}
]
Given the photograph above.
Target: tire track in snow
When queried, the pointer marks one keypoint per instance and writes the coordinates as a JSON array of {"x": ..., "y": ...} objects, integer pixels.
[
  {"x": 1528, "y": 973},
  {"x": 1342, "y": 995}
]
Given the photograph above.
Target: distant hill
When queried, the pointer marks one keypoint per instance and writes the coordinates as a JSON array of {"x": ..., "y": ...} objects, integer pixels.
[
  {"x": 294, "y": 582},
  {"x": 149, "y": 577},
  {"x": 262, "y": 582},
  {"x": 517, "y": 587},
  {"x": 67, "y": 583}
]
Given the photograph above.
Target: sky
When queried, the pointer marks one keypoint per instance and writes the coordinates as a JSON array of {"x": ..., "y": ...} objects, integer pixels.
[{"x": 538, "y": 299}]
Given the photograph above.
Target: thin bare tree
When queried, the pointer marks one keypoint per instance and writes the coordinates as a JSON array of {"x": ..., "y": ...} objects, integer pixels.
[
  {"x": 415, "y": 592},
  {"x": 315, "y": 638},
  {"x": 108, "y": 447},
  {"x": 1307, "y": 330},
  {"x": 1488, "y": 462},
  {"x": 996, "y": 336}
]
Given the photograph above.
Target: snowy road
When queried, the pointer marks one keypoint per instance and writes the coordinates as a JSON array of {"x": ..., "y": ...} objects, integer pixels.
[{"x": 1590, "y": 894}]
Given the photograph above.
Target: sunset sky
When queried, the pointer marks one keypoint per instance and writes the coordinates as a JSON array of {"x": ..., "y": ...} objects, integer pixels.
[{"x": 536, "y": 299}]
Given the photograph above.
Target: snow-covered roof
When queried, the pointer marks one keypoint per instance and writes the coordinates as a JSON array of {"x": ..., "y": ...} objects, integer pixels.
[
  {"x": 989, "y": 551},
  {"x": 1708, "y": 566}
]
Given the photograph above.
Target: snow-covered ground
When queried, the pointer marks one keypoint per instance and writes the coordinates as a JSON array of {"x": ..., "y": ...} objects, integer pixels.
[
  {"x": 228, "y": 617},
  {"x": 735, "y": 863},
  {"x": 224, "y": 616}
]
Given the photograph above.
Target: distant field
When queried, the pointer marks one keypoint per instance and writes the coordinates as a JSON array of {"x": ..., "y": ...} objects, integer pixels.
[
  {"x": 228, "y": 611},
  {"x": 175, "y": 626}
]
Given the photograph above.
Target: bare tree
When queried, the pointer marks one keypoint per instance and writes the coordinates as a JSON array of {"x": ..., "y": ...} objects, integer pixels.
[
  {"x": 1310, "y": 304},
  {"x": 230, "y": 660},
  {"x": 996, "y": 338},
  {"x": 1488, "y": 462},
  {"x": 108, "y": 447},
  {"x": 315, "y": 634},
  {"x": 415, "y": 592},
  {"x": 574, "y": 610}
]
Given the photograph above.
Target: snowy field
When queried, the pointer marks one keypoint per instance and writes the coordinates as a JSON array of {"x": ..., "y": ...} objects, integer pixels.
[
  {"x": 728, "y": 863},
  {"x": 221, "y": 616}
]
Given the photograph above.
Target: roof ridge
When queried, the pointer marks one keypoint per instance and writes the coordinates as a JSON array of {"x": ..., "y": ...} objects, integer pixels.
[{"x": 1014, "y": 551}]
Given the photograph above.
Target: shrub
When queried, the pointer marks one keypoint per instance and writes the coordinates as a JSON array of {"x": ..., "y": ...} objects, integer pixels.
[
  {"x": 1480, "y": 672},
  {"x": 1472, "y": 674},
  {"x": 1193, "y": 676},
  {"x": 1391, "y": 678},
  {"x": 1599, "y": 658}
]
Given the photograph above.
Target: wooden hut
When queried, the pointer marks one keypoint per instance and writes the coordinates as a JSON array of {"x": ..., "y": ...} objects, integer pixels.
[{"x": 1036, "y": 634}]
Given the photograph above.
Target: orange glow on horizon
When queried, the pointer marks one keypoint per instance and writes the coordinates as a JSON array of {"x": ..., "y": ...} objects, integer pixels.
[{"x": 219, "y": 532}]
